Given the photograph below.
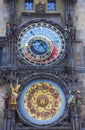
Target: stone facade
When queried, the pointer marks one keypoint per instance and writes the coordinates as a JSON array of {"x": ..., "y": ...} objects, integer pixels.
[
  {"x": 78, "y": 48},
  {"x": 3, "y": 17},
  {"x": 2, "y": 91},
  {"x": 79, "y": 51}
]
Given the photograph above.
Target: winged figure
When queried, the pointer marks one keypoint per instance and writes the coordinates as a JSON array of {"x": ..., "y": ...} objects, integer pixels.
[{"x": 15, "y": 90}]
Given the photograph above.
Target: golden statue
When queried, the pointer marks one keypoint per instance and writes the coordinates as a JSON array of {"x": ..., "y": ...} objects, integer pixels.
[{"x": 15, "y": 93}]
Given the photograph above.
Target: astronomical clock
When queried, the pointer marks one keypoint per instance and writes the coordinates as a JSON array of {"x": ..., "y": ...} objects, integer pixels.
[
  {"x": 42, "y": 102},
  {"x": 37, "y": 76},
  {"x": 41, "y": 43}
]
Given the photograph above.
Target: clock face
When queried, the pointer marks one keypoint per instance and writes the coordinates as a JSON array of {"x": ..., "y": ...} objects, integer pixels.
[
  {"x": 41, "y": 44},
  {"x": 42, "y": 102}
]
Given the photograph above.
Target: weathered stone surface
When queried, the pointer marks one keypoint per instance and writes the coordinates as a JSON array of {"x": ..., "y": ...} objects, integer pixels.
[
  {"x": 3, "y": 17},
  {"x": 79, "y": 21},
  {"x": 2, "y": 91},
  {"x": 1, "y": 124}
]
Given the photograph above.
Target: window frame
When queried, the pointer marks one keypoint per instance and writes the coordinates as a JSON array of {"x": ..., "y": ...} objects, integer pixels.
[
  {"x": 52, "y": 11},
  {"x": 26, "y": 10}
]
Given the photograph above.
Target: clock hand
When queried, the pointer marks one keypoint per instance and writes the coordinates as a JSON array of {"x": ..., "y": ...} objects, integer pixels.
[
  {"x": 32, "y": 33},
  {"x": 43, "y": 46}
]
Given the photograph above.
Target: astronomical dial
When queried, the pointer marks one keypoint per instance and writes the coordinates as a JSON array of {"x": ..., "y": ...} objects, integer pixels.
[{"x": 41, "y": 44}]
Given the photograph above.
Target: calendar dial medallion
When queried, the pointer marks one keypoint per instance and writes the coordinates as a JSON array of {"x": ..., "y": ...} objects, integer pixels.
[
  {"x": 42, "y": 102},
  {"x": 41, "y": 44}
]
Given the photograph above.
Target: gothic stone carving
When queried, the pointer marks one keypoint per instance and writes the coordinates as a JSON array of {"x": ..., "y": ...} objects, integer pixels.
[{"x": 40, "y": 8}]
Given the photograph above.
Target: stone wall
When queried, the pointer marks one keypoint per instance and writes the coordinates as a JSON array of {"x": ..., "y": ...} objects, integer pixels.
[
  {"x": 79, "y": 50},
  {"x": 21, "y": 7},
  {"x": 2, "y": 92},
  {"x": 3, "y": 17}
]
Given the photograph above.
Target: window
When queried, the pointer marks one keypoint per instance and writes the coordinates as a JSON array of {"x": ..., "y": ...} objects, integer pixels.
[
  {"x": 51, "y": 5},
  {"x": 0, "y": 56},
  {"x": 29, "y": 5}
]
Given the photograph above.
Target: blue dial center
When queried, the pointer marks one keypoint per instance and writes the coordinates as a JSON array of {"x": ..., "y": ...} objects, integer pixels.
[{"x": 40, "y": 46}]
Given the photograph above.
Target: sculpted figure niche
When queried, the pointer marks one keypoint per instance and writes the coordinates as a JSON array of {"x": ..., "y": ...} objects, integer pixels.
[{"x": 40, "y": 8}]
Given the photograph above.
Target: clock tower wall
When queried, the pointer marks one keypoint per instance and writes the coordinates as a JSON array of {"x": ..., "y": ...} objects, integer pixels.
[
  {"x": 25, "y": 17},
  {"x": 50, "y": 18},
  {"x": 79, "y": 50},
  {"x": 20, "y": 9},
  {"x": 4, "y": 17}
]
